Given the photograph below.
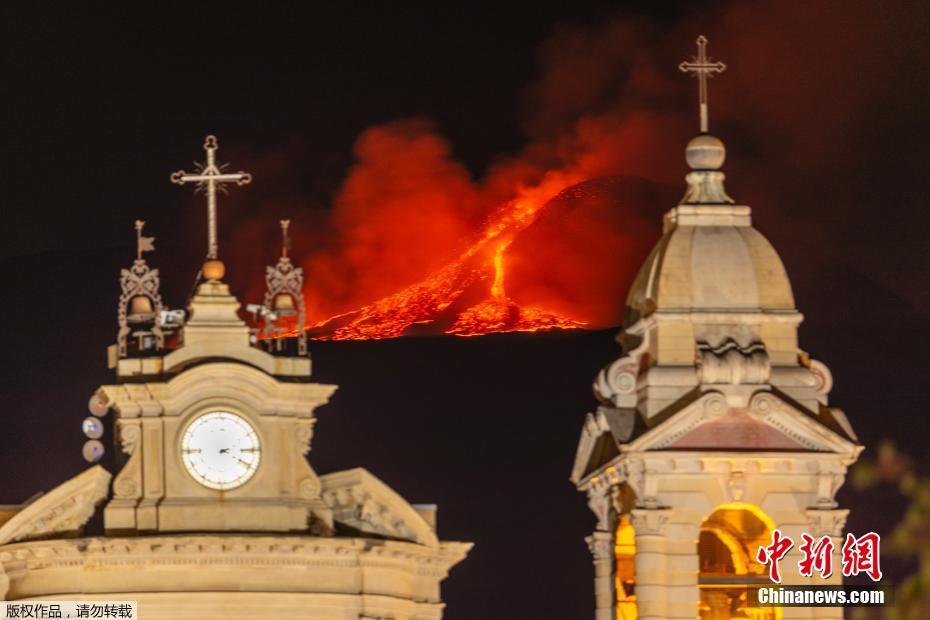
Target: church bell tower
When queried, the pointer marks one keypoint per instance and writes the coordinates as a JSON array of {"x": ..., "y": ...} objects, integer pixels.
[
  {"x": 713, "y": 427},
  {"x": 216, "y": 430},
  {"x": 214, "y": 511}
]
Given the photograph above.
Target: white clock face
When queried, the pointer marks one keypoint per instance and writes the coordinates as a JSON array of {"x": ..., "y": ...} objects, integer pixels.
[{"x": 220, "y": 450}]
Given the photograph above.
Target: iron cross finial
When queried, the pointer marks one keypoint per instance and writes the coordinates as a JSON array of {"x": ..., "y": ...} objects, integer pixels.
[
  {"x": 285, "y": 240},
  {"x": 211, "y": 177},
  {"x": 702, "y": 68}
]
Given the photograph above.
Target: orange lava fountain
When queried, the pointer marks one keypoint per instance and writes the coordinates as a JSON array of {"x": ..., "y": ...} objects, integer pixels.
[
  {"x": 422, "y": 303},
  {"x": 502, "y": 314}
]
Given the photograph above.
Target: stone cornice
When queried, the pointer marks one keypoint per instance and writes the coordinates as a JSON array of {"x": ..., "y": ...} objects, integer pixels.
[
  {"x": 261, "y": 391},
  {"x": 231, "y": 551},
  {"x": 763, "y": 406},
  {"x": 364, "y": 502},
  {"x": 696, "y": 462},
  {"x": 64, "y": 510}
]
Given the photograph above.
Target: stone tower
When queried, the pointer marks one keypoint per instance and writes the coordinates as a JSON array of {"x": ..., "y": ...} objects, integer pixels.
[
  {"x": 215, "y": 510},
  {"x": 713, "y": 427}
]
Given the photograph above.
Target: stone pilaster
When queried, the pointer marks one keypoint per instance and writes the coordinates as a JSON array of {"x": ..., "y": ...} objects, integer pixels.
[
  {"x": 601, "y": 544},
  {"x": 651, "y": 566},
  {"x": 682, "y": 566},
  {"x": 816, "y": 523},
  {"x": 829, "y": 522},
  {"x": 604, "y": 500}
]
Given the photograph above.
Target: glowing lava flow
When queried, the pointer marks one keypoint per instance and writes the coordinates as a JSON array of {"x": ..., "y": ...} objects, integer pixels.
[
  {"x": 502, "y": 314},
  {"x": 418, "y": 304},
  {"x": 423, "y": 302}
]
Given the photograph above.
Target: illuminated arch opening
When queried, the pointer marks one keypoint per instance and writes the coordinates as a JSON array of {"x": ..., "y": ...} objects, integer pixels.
[
  {"x": 625, "y": 552},
  {"x": 728, "y": 541}
]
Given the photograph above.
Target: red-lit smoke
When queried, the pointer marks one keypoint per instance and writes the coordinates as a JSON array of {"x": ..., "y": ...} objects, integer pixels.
[
  {"x": 416, "y": 233},
  {"x": 406, "y": 238}
]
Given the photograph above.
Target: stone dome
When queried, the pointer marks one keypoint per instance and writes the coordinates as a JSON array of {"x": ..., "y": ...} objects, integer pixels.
[{"x": 710, "y": 259}]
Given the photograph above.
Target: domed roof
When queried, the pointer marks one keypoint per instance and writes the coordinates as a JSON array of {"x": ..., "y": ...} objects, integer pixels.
[
  {"x": 709, "y": 258},
  {"x": 710, "y": 268}
]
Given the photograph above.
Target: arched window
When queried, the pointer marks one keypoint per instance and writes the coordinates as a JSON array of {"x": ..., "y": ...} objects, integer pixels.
[
  {"x": 727, "y": 545},
  {"x": 625, "y": 552}
]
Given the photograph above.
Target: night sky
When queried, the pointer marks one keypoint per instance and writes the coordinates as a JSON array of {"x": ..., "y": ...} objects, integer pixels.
[{"x": 823, "y": 110}]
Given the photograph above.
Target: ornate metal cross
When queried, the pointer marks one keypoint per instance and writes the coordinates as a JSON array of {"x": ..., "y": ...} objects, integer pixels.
[
  {"x": 211, "y": 177},
  {"x": 285, "y": 240},
  {"x": 702, "y": 68}
]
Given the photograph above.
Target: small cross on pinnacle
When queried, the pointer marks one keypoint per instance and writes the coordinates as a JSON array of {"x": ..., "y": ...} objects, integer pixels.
[
  {"x": 285, "y": 240},
  {"x": 210, "y": 176},
  {"x": 702, "y": 68}
]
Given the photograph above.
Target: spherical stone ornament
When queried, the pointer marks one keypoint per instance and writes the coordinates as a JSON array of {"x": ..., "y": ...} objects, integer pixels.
[
  {"x": 93, "y": 451},
  {"x": 705, "y": 152},
  {"x": 214, "y": 269},
  {"x": 98, "y": 406},
  {"x": 92, "y": 427}
]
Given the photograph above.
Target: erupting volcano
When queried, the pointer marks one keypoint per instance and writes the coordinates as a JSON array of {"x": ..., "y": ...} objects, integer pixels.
[
  {"x": 502, "y": 314},
  {"x": 432, "y": 300}
]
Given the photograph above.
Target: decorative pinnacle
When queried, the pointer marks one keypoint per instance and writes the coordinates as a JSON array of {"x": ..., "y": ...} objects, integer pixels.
[
  {"x": 211, "y": 177},
  {"x": 702, "y": 68},
  {"x": 705, "y": 154}
]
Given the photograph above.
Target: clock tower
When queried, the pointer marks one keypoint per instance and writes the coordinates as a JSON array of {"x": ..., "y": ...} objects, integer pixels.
[
  {"x": 214, "y": 511},
  {"x": 216, "y": 432}
]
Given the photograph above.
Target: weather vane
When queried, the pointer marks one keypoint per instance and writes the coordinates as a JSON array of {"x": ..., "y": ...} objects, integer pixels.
[
  {"x": 143, "y": 244},
  {"x": 702, "y": 68},
  {"x": 211, "y": 177}
]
